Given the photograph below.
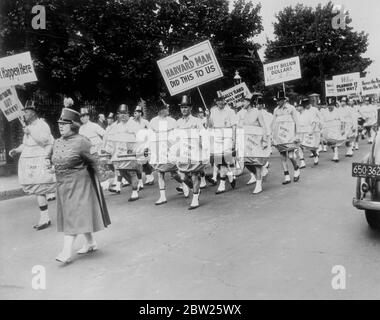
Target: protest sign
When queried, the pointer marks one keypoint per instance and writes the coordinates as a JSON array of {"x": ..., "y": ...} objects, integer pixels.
[
  {"x": 370, "y": 85},
  {"x": 330, "y": 88},
  {"x": 16, "y": 69},
  {"x": 190, "y": 68},
  {"x": 347, "y": 84},
  {"x": 10, "y": 104},
  {"x": 282, "y": 71},
  {"x": 236, "y": 93}
]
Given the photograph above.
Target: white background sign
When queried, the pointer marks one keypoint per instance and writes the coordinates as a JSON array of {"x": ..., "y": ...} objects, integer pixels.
[
  {"x": 282, "y": 71},
  {"x": 235, "y": 93},
  {"x": 347, "y": 84},
  {"x": 16, "y": 69},
  {"x": 370, "y": 85},
  {"x": 10, "y": 104},
  {"x": 330, "y": 88},
  {"x": 190, "y": 68}
]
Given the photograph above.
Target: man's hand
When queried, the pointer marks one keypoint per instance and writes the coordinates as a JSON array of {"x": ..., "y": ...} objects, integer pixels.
[
  {"x": 26, "y": 130},
  {"x": 13, "y": 153}
]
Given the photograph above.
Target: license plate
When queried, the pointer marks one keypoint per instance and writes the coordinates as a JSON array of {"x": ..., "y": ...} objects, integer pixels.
[{"x": 364, "y": 170}]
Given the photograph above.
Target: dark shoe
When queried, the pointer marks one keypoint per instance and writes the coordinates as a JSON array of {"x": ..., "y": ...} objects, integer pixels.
[
  {"x": 211, "y": 181},
  {"x": 233, "y": 184},
  {"x": 220, "y": 192},
  {"x": 286, "y": 182},
  {"x": 336, "y": 161},
  {"x": 114, "y": 191},
  {"x": 149, "y": 183},
  {"x": 179, "y": 189},
  {"x": 349, "y": 155},
  {"x": 296, "y": 179},
  {"x": 43, "y": 226}
]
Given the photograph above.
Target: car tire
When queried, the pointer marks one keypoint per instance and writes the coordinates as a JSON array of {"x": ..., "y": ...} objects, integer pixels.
[{"x": 373, "y": 219}]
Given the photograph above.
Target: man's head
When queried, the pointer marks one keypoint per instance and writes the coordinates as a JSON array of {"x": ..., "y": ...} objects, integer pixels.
[
  {"x": 138, "y": 112},
  {"x": 260, "y": 103},
  {"x": 201, "y": 113},
  {"x": 343, "y": 101},
  {"x": 110, "y": 118},
  {"x": 123, "y": 113},
  {"x": 84, "y": 115},
  {"x": 163, "y": 108},
  {"x": 281, "y": 98},
  {"x": 366, "y": 101},
  {"x": 220, "y": 103},
  {"x": 331, "y": 103},
  {"x": 101, "y": 117},
  {"x": 185, "y": 106},
  {"x": 30, "y": 111}
]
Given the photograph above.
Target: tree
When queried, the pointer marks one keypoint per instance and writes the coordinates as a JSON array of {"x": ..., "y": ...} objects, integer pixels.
[
  {"x": 323, "y": 51},
  {"x": 109, "y": 48}
]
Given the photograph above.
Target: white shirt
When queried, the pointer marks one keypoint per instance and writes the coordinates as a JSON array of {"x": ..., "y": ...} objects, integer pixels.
[
  {"x": 93, "y": 132},
  {"x": 135, "y": 126},
  {"x": 223, "y": 118},
  {"x": 160, "y": 124}
]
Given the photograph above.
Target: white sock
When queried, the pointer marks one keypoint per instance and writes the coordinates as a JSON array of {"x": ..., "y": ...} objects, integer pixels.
[
  {"x": 203, "y": 182},
  {"x": 303, "y": 164},
  {"x": 140, "y": 184},
  {"x": 162, "y": 196},
  {"x": 265, "y": 172},
  {"x": 252, "y": 179},
  {"x": 149, "y": 178},
  {"x": 215, "y": 173},
  {"x": 222, "y": 185},
  {"x": 195, "y": 201},
  {"x": 297, "y": 173},
  {"x": 185, "y": 189},
  {"x": 135, "y": 194},
  {"x": 118, "y": 186},
  {"x": 258, "y": 187},
  {"x": 287, "y": 178},
  {"x": 44, "y": 217}
]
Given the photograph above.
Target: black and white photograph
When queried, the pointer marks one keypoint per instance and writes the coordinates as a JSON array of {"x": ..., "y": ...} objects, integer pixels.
[{"x": 189, "y": 150}]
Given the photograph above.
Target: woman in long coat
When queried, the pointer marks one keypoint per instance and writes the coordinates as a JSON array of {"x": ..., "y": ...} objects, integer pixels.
[{"x": 81, "y": 208}]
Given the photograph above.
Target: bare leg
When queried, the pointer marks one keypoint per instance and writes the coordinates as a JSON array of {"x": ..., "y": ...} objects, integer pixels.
[
  {"x": 285, "y": 167},
  {"x": 44, "y": 213},
  {"x": 162, "y": 186},
  {"x": 259, "y": 186}
]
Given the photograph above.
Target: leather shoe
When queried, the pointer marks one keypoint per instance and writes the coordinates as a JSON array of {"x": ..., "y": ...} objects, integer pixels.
[
  {"x": 296, "y": 179},
  {"x": 133, "y": 199},
  {"x": 193, "y": 207},
  {"x": 43, "y": 226},
  {"x": 220, "y": 191},
  {"x": 233, "y": 184},
  {"x": 286, "y": 182},
  {"x": 160, "y": 203}
]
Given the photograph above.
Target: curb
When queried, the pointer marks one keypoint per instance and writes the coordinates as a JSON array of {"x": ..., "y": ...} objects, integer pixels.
[{"x": 11, "y": 194}]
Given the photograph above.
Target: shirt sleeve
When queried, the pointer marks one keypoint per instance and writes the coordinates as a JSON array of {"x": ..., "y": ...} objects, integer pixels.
[{"x": 99, "y": 130}]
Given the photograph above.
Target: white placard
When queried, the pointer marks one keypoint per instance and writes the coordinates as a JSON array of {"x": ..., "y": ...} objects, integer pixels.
[
  {"x": 330, "y": 88},
  {"x": 10, "y": 104},
  {"x": 370, "y": 85},
  {"x": 16, "y": 69},
  {"x": 190, "y": 68},
  {"x": 282, "y": 71},
  {"x": 346, "y": 84},
  {"x": 236, "y": 93}
]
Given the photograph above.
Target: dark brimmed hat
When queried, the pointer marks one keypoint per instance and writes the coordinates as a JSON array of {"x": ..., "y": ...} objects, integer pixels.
[
  {"x": 281, "y": 95},
  {"x": 69, "y": 116},
  {"x": 185, "y": 101},
  {"x": 331, "y": 101},
  {"x": 304, "y": 102},
  {"x": 260, "y": 100},
  {"x": 84, "y": 111},
  {"x": 219, "y": 96},
  {"x": 30, "y": 105},
  {"x": 123, "y": 108},
  {"x": 138, "y": 109}
]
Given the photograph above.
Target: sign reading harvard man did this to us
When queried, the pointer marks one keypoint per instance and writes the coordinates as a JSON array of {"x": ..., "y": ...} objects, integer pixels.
[
  {"x": 236, "y": 93},
  {"x": 346, "y": 84},
  {"x": 16, "y": 69},
  {"x": 282, "y": 71},
  {"x": 330, "y": 88},
  {"x": 10, "y": 104},
  {"x": 190, "y": 68}
]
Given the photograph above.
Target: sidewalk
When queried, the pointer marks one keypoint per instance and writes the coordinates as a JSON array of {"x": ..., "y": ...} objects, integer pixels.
[{"x": 10, "y": 188}]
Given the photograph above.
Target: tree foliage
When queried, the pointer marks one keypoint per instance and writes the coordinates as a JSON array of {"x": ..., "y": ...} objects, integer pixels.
[
  {"x": 109, "y": 48},
  {"x": 323, "y": 51}
]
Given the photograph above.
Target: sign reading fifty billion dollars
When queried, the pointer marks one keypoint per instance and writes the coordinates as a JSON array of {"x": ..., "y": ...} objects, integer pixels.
[
  {"x": 190, "y": 68},
  {"x": 282, "y": 71},
  {"x": 16, "y": 69}
]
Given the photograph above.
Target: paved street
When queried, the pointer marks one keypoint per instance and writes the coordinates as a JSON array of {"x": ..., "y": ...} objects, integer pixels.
[{"x": 280, "y": 244}]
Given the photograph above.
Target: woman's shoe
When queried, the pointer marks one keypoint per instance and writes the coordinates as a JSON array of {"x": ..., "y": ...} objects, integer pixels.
[
  {"x": 42, "y": 226},
  {"x": 63, "y": 259},
  {"x": 88, "y": 248},
  {"x": 158, "y": 203}
]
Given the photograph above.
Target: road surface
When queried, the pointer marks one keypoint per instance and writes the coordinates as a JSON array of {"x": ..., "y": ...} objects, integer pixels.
[{"x": 281, "y": 244}]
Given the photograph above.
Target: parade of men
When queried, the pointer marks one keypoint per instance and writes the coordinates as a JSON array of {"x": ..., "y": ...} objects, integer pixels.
[{"x": 232, "y": 143}]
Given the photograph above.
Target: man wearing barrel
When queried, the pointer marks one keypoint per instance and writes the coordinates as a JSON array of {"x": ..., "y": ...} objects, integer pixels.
[
  {"x": 191, "y": 159},
  {"x": 284, "y": 127},
  {"x": 33, "y": 172},
  {"x": 222, "y": 121}
]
